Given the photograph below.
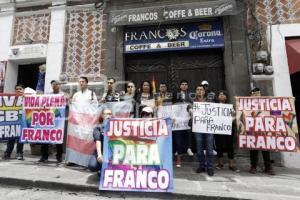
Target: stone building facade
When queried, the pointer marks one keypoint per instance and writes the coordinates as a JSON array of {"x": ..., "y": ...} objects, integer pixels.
[{"x": 91, "y": 38}]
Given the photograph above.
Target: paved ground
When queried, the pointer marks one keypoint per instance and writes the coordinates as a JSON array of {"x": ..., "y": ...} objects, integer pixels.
[{"x": 187, "y": 184}]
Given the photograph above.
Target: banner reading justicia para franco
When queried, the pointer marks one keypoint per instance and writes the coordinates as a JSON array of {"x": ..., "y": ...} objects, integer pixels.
[
  {"x": 43, "y": 119},
  {"x": 267, "y": 123},
  {"x": 137, "y": 155}
]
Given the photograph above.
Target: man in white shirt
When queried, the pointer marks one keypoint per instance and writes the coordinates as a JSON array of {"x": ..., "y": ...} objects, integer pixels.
[{"x": 85, "y": 95}]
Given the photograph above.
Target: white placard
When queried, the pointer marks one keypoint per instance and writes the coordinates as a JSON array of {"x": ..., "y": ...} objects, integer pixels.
[
  {"x": 178, "y": 113},
  {"x": 214, "y": 118}
]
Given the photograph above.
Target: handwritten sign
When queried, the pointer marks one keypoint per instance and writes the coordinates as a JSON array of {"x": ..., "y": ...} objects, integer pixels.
[
  {"x": 178, "y": 113},
  {"x": 214, "y": 118}
]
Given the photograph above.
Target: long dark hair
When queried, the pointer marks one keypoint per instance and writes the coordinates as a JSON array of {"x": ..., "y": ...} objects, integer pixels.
[{"x": 142, "y": 83}]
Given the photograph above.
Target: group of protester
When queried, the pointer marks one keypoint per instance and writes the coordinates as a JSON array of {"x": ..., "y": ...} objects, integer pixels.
[{"x": 139, "y": 98}]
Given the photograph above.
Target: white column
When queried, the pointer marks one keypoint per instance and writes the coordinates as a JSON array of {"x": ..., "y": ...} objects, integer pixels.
[
  {"x": 55, "y": 51},
  {"x": 282, "y": 82},
  {"x": 6, "y": 33}
]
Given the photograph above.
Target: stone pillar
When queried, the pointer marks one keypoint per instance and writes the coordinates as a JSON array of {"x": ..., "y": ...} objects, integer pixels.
[
  {"x": 6, "y": 30},
  {"x": 55, "y": 51}
]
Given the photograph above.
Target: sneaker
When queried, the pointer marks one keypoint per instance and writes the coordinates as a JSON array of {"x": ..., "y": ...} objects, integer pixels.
[
  {"x": 178, "y": 162},
  {"x": 252, "y": 170},
  {"x": 20, "y": 156},
  {"x": 215, "y": 153},
  {"x": 210, "y": 172},
  {"x": 189, "y": 152},
  {"x": 43, "y": 160},
  {"x": 200, "y": 170},
  {"x": 270, "y": 172},
  {"x": 234, "y": 169}
]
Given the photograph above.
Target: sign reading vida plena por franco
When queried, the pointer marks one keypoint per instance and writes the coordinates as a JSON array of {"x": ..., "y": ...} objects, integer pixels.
[
  {"x": 43, "y": 119},
  {"x": 137, "y": 155},
  {"x": 267, "y": 123}
]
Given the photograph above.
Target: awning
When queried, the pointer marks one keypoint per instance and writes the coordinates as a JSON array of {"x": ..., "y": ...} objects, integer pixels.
[
  {"x": 173, "y": 12},
  {"x": 293, "y": 54}
]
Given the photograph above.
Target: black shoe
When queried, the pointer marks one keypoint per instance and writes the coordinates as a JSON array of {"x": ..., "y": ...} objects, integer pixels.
[
  {"x": 43, "y": 160},
  {"x": 59, "y": 160},
  {"x": 200, "y": 170},
  {"x": 6, "y": 157},
  {"x": 210, "y": 172}
]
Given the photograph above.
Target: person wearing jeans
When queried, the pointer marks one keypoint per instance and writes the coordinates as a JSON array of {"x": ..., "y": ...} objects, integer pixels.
[{"x": 204, "y": 141}]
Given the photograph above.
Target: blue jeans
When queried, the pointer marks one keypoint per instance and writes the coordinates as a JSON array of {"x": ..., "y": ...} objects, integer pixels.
[
  {"x": 94, "y": 165},
  {"x": 205, "y": 141}
]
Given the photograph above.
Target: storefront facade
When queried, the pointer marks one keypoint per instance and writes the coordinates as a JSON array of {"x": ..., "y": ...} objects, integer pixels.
[{"x": 191, "y": 41}]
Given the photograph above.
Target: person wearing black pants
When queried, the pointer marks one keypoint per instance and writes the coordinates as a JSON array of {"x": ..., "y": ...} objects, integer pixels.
[
  {"x": 182, "y": 96},
  {"x": 225, "y": 141},
  {"x": 254, "y": 153},
  {"x": 59, "y": 147},
  {"x": 45, "y": 154}
]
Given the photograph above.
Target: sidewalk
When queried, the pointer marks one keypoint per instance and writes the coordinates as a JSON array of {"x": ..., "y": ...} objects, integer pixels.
[{"x": 187, "y": 184}]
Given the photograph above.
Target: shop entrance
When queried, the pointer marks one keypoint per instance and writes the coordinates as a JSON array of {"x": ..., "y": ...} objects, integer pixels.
[
  {"x": 28, "y": 75},
  {"x": 171, "y": 67}
]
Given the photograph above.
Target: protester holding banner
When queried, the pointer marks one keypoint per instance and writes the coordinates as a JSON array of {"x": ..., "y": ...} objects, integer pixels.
[
  {"x": 255, "y": 92},
  {"x": 110, "y": 94},
  {"x": 59, "y": 147},
  {"x": 84, "y": 96},
  {"x": 225, "y": 141},
  {"x": 180, "y": 136},
  {"x": 19, "y": 89},
  {"x": 204, "y": 140},
  {"x": 95, "y": 161}
]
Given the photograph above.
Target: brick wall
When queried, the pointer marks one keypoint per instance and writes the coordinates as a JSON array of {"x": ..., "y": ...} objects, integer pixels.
[
  {"x": 278, "y": 11},
  {"x": 261, "y": 13},
  {"x": 31, "y": 29},
  {"x": 85, "y": 44}
]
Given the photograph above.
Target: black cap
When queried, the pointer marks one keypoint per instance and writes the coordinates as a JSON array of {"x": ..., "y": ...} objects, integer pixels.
[{"x": 255, "y": 89}]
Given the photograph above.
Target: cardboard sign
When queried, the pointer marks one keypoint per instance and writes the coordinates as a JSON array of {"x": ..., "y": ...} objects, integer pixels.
[
  {"x": 137, "y": 155},
  {"x": 267, "y": 123},
  {"x": 10, "y": 116},
  {"x": 178, "y": 113},
  {"x": 122, "y": 109},
  {"x": 43, "y": 119},
  {"x": 214, "y": 118}
]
